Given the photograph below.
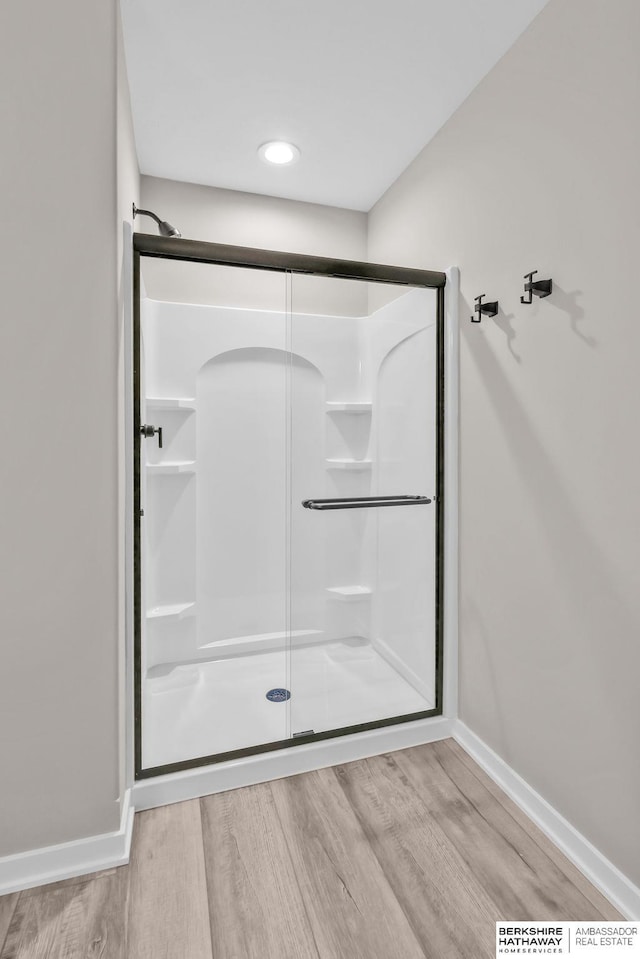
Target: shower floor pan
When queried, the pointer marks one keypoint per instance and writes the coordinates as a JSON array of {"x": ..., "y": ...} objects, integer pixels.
[{"x": 212, "y": 707}]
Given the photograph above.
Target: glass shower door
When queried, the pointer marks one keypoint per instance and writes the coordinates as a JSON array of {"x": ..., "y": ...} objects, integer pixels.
[
  {"x": 214, "y": 378},
  {"x": 362, "y": 535}
]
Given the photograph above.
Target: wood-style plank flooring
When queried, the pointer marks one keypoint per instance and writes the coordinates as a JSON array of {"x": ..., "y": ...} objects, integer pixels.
[{"x": 410, "y": 855}]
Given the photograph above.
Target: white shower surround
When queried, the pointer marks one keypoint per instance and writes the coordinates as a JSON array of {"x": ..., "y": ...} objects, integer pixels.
[{"x": 255, "y": 768}]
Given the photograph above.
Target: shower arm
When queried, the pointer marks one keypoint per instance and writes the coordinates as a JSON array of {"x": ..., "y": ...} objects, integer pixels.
[
  {"x": 165, "y": 228},
  {"x": 138, "y": 212}
]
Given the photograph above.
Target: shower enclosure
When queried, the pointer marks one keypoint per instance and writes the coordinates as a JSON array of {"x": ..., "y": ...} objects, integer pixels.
[{"x": 288, "y": 499}]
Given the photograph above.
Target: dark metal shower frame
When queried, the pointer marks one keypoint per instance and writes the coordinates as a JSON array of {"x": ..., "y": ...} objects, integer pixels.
[{"x": 199, "y": 251}]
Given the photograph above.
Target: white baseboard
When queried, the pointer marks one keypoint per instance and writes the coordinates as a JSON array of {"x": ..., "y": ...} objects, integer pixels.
[
  {"x": 205, "y": 780},
  {"x": 415, "y": 681},
  {"x": 37, "y": 867},
  {"x": 606, "y": 877}
]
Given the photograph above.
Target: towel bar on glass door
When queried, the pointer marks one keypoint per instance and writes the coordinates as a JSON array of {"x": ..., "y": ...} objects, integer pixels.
[{"x": 363, "y": 502}]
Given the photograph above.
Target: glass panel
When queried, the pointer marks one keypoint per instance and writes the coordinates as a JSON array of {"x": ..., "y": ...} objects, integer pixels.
[
  {"x": 363, "y": 424},
  {"x": 214, "y": 553}
]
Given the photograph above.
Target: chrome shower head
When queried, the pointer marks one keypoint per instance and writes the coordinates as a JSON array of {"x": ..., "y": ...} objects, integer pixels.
[{"x": 165, "y": 228}]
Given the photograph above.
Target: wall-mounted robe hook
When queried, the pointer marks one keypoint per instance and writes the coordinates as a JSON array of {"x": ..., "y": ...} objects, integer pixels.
[
  {"x": 484, "y": 309},
  {"x": 541, "y": 288}
]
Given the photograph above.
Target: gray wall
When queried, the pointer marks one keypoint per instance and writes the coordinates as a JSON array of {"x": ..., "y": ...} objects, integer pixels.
[
  {"x": 539, "y": 170},
  {"x": 58, "y": 474},
  {"x": 246, "y": 219}
]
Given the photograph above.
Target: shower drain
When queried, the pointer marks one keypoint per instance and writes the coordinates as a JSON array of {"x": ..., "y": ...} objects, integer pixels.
[{"x": 278, "y": 695}]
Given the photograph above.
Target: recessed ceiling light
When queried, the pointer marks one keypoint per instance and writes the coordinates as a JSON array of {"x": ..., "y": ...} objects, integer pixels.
[{"x": 279, "y": 152}]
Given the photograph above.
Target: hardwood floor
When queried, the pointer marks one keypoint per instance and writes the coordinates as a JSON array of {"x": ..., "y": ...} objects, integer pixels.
[{"x": 410, "y": 855}]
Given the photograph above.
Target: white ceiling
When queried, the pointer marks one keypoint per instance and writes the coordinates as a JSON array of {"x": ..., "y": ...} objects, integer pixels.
[{"x": 360, "y": 86}]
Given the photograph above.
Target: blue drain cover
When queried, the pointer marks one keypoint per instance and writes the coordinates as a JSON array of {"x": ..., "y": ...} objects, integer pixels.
[{"x": 278, "y": 695}]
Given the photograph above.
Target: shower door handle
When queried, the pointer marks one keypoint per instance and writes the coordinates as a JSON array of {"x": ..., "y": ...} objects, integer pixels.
[{"x": 365, "y": 502}]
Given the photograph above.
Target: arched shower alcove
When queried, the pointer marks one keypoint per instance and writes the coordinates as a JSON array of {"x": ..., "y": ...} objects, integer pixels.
[{"x": 245, "y": 468}]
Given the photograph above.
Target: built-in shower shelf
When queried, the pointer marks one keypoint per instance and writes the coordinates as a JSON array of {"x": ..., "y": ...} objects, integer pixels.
[
  {"x": 172, "y": 611},
  {"x": 348, "y": 464},
  {"x": 348, "y": 594},
  {"x": 165, "y": 469},
  {"x": 348, "y": 407},
  {"x": 171, "y": 403}
]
